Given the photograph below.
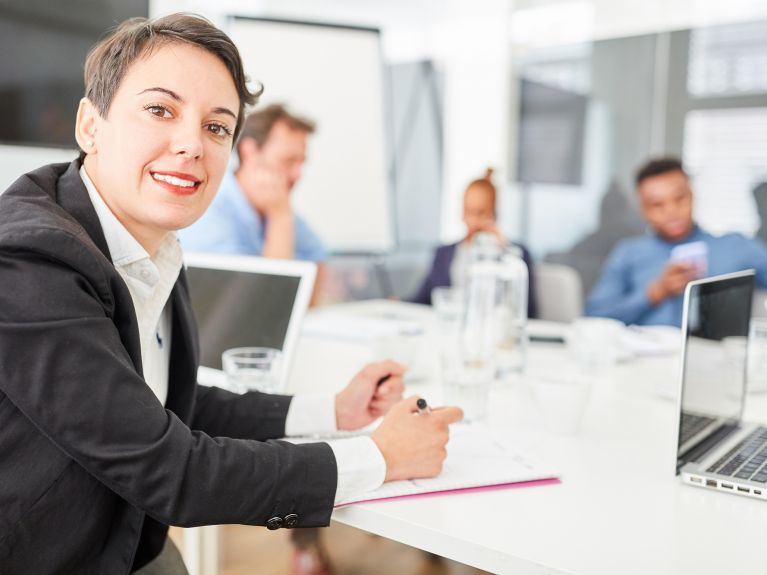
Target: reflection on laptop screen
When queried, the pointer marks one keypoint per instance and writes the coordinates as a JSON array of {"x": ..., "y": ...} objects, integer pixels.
[
  {"x": 716, "y": 337},
  {"x": 238, "y": 309}
]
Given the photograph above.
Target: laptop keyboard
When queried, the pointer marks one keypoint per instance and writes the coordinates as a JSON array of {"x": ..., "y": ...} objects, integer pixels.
[
  {"x": 747, "y": 460},
  {"x": 691, "y": 425}
]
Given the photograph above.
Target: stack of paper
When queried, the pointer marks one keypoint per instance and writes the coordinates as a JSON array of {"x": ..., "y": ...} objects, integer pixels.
[{"x": 477, "y": 458}]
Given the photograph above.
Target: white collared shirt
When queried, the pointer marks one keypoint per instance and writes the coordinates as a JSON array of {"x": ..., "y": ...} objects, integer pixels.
[{"x": 150, "y": 280}]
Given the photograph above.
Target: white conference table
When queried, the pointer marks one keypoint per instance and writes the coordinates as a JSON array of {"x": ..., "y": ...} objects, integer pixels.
[{"x": 618, "y": 509}]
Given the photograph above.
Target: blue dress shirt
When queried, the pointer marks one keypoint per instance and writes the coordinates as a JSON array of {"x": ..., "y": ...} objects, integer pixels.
[
  {"x": 621, "y": 292},
  {"x": 232, "y": 226}
]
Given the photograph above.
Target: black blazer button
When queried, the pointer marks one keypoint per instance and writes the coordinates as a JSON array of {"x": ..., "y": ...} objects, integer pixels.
[
  {"x": 291, "y": 520},
  {"x": 274, "y": 523}
]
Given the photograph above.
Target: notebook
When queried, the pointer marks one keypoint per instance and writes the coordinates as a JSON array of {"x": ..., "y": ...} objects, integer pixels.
[{"x": 477, "y": 459}]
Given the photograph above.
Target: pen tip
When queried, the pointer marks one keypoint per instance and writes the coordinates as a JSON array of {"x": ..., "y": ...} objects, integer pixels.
[{"x": 421, "y": 403}]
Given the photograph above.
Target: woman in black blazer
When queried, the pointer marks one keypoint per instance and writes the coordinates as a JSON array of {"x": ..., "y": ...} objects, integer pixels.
[{"x": 95, "y": 463}]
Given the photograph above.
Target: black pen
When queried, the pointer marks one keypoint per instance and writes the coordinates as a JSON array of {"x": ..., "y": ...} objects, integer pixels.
[{"x": 423, "y": 407}]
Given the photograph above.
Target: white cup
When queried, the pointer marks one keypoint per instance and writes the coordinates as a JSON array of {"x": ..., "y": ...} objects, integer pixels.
[
  {"x": 402, "y": 347},
  {"x": 562, "y": 398},
  {"x": 252, "y": 369},
  {"x": 595, "y": 342},
  {"x": 448, "y": 303},
  {"x": 757, "y": 355}
]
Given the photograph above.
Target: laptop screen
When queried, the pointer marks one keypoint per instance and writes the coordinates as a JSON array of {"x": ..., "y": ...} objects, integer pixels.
[
  {"x": 239, "y": 309},
  {"x": 717, "y": 317}
]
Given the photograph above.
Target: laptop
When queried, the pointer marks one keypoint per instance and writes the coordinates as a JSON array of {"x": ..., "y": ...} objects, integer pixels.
[
  {"x": 716, "y": 449},
  {"x": 245, "y": 301}
]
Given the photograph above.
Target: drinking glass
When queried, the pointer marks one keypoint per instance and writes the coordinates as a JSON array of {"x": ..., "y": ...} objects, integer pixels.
[{"x": 252, "y": 369}]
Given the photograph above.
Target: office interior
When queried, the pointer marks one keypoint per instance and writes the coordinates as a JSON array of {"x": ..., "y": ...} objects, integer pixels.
[{"x": 563, "y": 98}]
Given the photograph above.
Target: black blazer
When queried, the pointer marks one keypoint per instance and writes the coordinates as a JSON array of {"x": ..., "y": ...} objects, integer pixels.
[
  {"x": 92, "y": 467},
  {"x": 439, "y": 276}
]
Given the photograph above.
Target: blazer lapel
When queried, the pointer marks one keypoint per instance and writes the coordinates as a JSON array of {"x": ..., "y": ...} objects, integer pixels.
[{"x": 73, "y": 197}]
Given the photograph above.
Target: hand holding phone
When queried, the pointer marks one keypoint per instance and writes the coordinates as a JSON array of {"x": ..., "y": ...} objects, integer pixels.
[{"x": 693, "y": 254}]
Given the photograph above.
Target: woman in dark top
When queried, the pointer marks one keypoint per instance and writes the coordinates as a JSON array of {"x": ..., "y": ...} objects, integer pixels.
[{"x": 450, "y": 261}]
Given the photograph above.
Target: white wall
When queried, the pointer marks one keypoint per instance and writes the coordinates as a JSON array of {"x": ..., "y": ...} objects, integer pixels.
[
  {"x": 471, "y": 43},
  {"x": 475, "y": 57},
  {"x": 552, "y": 22}
]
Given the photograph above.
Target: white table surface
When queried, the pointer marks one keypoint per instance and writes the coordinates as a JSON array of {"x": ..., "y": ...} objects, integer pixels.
[{"x": 619, "y": 507}]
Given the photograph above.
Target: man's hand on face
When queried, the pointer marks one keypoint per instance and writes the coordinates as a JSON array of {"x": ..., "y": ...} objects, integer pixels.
[
  {"x": 673, "y": 280},
  {"x": 266, "y": 188},
  {"x": 491, "y": 227}
]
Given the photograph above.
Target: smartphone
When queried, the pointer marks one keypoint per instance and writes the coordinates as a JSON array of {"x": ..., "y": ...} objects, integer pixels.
[{"x": 694, "y": 254}]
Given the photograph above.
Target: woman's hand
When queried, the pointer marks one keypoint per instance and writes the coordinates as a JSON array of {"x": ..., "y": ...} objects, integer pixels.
[{"x": 365, "y": 399}]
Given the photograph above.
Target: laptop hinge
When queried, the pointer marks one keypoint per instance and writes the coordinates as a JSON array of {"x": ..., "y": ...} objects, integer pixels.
[{"x": 699, "y": 450}]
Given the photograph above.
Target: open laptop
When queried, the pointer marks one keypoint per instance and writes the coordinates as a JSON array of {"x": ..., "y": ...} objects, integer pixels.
[
  {"x": 244, "y": 301},
  {"x": 715, "y": 447}
]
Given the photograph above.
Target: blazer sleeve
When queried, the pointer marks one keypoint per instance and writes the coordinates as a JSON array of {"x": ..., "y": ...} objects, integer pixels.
[
  {"x": 64, "y": 366},
  {"x": 532, "y": 303},
  {"x": 253, "y": 415}
]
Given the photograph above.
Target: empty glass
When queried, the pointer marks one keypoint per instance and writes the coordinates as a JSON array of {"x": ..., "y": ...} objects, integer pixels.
[
  {"x": 252, "y": 369},
  {"x": 466, "y": 381},
  {"x": 511, "y": 313},
  {"x": 448, "y": 303}
]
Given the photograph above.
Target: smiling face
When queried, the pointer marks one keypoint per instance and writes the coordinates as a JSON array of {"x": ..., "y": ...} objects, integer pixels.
[
  {"x": 666, "y": 204},
  {"x": 159, "y": 155}
]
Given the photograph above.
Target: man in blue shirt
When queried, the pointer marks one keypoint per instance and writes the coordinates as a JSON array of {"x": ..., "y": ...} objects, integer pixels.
[
  {"x": 252, "y": 213},
  {"x": 644, "y": 277}
]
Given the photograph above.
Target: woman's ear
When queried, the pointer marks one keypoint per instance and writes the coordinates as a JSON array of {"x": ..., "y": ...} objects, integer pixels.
[{"x": 85, "y": 126}]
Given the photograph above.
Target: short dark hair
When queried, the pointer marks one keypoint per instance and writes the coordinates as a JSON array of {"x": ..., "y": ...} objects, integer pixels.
[
  {"x": 658, "y": 166},
  {"x": 260, "y": 123},
  {"x": 109, "y": 60}
]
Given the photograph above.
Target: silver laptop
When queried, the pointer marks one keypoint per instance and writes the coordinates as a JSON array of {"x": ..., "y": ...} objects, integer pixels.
[
  {"x": 244, "y": 301},
  {"x": 716, "y": 449}
]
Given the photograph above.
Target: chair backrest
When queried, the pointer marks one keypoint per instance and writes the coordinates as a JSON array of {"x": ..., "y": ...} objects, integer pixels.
[
  {"x": 559, "y": 292},
  {"x": 759, "y": 306}
]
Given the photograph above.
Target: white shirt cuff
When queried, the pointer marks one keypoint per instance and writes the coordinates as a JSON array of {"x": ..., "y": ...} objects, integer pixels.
[
  {"x": 311, "y": 414},
  {"x": 361, "y": 467}
]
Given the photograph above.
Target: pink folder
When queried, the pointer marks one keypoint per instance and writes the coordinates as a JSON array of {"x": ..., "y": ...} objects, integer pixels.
[{"x": 515, "y": 485}]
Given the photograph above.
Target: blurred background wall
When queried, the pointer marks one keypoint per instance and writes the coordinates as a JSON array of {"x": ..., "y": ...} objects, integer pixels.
[{"x": 564, "y": 98}]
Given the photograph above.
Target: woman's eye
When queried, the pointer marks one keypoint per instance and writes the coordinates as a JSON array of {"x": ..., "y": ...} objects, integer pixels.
[
  {"x": 219, "y": 130},
  {"x": 159, "y": 111}
]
